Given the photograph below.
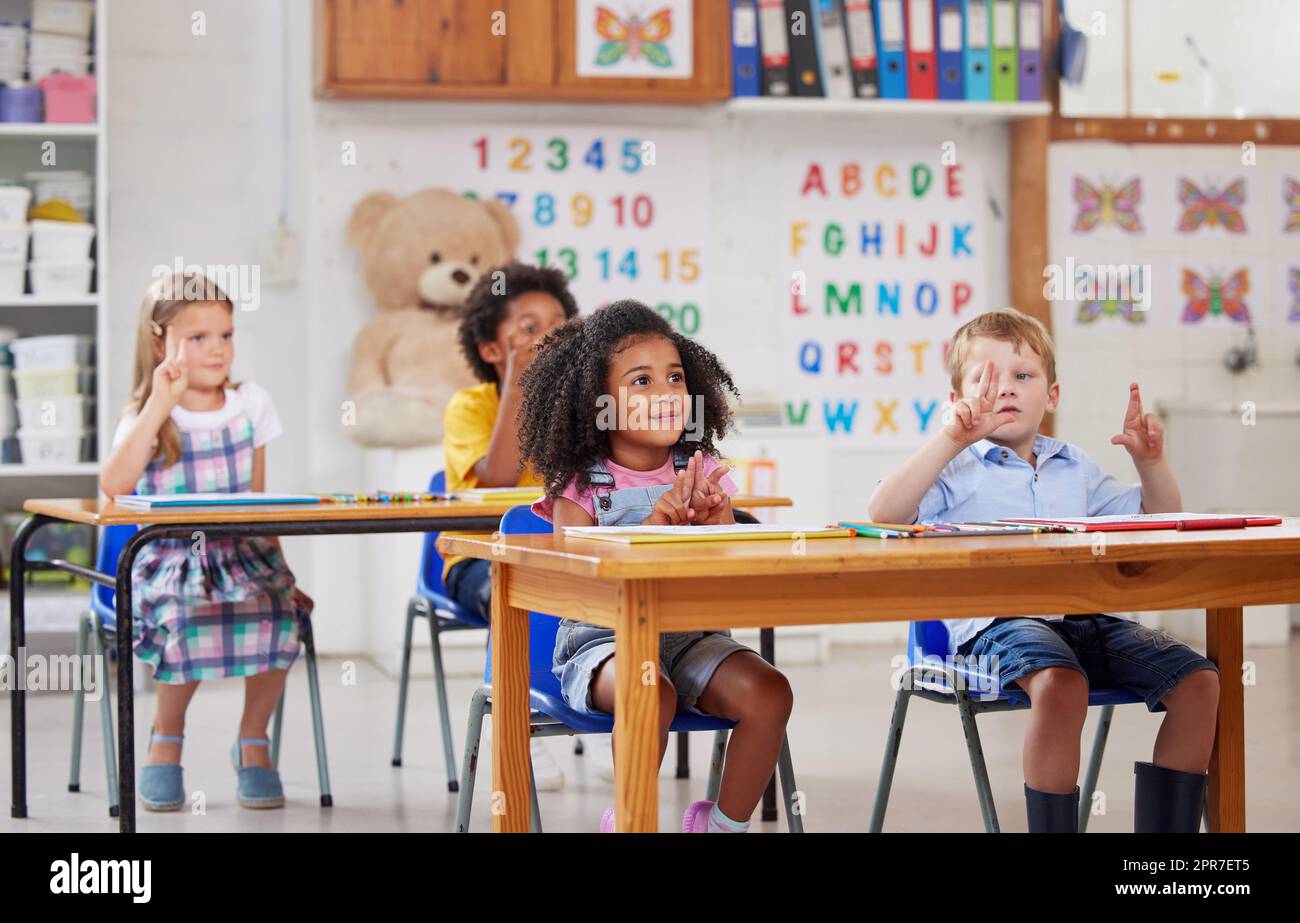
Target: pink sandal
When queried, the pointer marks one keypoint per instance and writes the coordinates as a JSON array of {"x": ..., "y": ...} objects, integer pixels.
[
  {"x": 696, "y": 818},
  {"x": 607, "y": 821}
]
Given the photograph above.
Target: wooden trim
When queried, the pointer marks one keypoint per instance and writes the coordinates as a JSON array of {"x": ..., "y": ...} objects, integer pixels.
[
  {"x": 1226, "y": 789},
  {"x": 322, "y": 50},
  {"x": 1172, "y": 130},
  {"x": 1027, "y": 232}
]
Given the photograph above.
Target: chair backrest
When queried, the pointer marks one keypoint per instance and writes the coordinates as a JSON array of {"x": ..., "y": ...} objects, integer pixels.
[
  {"x": 112, "y": 539},
  {"x": 521, "y": 520},
  {"x": 925, "y": 639},
  {"x": 430, "y": 580}
]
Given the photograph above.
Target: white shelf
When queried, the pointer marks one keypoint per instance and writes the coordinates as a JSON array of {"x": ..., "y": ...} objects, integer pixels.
[
  {"x": 77, "y": 469},
  {"x": 887, "y": 108},
  {"x": 46, "y": 301},
  {"x": 49, "y": 130}
]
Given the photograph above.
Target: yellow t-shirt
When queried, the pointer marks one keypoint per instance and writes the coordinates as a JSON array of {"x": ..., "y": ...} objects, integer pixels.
[{"x": 467, "y": 430}]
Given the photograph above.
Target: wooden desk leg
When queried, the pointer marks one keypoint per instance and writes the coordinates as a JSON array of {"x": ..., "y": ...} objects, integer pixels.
[
  {"x": 510, "y": 759},
  {"x": 1226, "y": 789},
  {"x": 636, "y": 709}
]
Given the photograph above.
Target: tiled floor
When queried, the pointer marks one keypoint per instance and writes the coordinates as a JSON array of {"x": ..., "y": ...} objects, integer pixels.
[{"x": 837, "y": 733}]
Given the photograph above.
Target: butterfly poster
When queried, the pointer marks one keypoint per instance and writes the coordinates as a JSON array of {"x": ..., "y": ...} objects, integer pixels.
[
  {"x": 1291, "y": 198},
  {"x": 634, "y": 38},
  {"x": 1107, "y": 206},
  {"x": 1210, "y": 206},
  {"x": 1216, "y": 296},
  {"x": 1292, "y": 297}
]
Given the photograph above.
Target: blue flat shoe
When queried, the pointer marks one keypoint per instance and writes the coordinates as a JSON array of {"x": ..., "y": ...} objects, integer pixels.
[
  {"x": 161, "y": 787},
  {"x": 259, "y": 787}
]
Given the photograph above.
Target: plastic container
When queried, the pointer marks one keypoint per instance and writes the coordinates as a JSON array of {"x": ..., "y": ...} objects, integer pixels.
[
  {"x": 66, "y": 17},
  {"x": 59, "y": 241},
  {"x": 51, "y": 446},
  {"x": 13, "y": 41},
  {"x": 13, "y": 243},
  {"x": 13, "y": 205},
  {"x": 62, "y": 413},
  {"x": 13, "y": 274},
  {"x": 62, "y": 279},
  {"x": 53, "y": 44},
  {"x": 42, "y": 68},
  {"x": 42, "y": 383},
  {"x": 20, "y": 103},
  {"x": 68, "y": 98},
  {"x": 72, "y": 186},
  {"x": 55, "y": 351}
]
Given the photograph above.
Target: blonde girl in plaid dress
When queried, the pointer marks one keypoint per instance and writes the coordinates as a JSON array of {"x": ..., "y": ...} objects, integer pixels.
[{"x": 222, "y": 608}]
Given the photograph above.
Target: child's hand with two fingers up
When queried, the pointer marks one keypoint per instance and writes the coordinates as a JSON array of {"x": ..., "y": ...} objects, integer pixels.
[
  {"x": 693, "y": 499},
  {"x": 972, "y": 418},
  {"x": 171, "y": 378}
]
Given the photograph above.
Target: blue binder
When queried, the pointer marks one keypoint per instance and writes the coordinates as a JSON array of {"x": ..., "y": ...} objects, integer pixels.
[
  {"x": 979, "y": 63},
  {"x": 891, "y": 42},
  {"x": 949, "y": 28},
  {"x": 746, "y": 63}
]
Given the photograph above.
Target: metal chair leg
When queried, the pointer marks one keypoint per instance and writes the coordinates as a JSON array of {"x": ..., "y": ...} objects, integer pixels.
[
  {"x": 440, "y": 681},
  {"x": 277, "y": 725},
  {"x": 793, "y": 805},
  {"x": 577, "y": 746},
  {"x": 534, "y": 810},
  {"x": 402, "y": 683},
  {"x": 715, "y": 765},
  {"x": 683, "y": 755},
  {"x": 1094, "y": 766},
  {"x": 79, "y": 703},
  {"x": 469, "y": 765},
  {"x": 890, "y": 760},
  {"x": 106, "y": 722},
  {"x": 978, "y": 768},
  {"x": 317, "y": 722}
]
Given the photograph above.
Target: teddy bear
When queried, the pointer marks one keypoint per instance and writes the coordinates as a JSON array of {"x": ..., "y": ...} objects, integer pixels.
[{"x": 420, "y": 257}]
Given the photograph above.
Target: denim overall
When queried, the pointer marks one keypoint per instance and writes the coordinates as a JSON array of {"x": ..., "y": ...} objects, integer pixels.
[{"x": 629, "y": 506}]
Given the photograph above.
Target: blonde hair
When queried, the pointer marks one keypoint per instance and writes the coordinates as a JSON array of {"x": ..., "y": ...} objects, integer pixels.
[
  {"x": 1005, "y": 324},
  {"x": 166, "y": 297}
]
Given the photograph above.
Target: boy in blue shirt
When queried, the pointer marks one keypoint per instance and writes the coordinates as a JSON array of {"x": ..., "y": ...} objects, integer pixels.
[{"x": 988, "y": 461}]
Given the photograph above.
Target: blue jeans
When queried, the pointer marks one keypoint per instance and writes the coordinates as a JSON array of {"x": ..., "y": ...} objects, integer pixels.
[
  {"x": 469, "y": 582},
  {"x": 1111, "y": 652}
]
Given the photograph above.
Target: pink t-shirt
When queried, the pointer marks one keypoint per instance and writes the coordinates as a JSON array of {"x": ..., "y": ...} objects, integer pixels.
[{"x": 624, "y": 478}]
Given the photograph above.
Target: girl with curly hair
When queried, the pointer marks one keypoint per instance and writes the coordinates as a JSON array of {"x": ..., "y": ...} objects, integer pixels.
[{"x": 611, "y": 406}]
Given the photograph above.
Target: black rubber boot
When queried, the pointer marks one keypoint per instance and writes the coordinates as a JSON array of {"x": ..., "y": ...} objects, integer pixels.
[
  {"x": 1166, "y": 800},
  {"x": 1050, "y": 813}
]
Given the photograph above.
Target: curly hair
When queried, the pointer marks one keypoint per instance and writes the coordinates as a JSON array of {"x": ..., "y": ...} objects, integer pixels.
[
  {"x": 485, "y": 308},
  {"x": 559, "y": 433}
]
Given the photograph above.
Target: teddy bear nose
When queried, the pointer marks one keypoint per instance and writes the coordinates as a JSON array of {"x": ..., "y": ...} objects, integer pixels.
[{"x": 460, "y": 277}]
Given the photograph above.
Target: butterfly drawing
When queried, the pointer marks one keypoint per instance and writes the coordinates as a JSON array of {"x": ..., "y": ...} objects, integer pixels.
[
  {"x": 1127, "y": 308},
  {"x": 634, "y": 37},
  {"x": 1212, "y": 207},
  {"x": 1295, "y": 295},
  {"x": 1216, "y": 297},
  {"x": 1291, "y": 194},
  {"x": 1108, "y": 206}
]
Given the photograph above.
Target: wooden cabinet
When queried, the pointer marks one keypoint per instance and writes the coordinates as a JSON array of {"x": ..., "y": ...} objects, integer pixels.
[{"x": 493, "y": 49}]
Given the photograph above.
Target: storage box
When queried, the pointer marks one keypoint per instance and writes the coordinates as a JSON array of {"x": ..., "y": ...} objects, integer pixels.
[
  {"x": 43, "y": 383},
  {"x": 61, "y": 279},
  {"x": 63, "y": 413},
  {"x": 52, "y": 352},
  {"x": 13, "y": 204},
  {"x": 13, "y": 274},
  {"x": 58, "y": 241},
  {"x": 50, "y": 446},
  {"x": 66, "y": 17},
  {"x": 13, "y": 243},
  {"x": 19, "y": 103},
  {"x": 68, "y": 98},
  {"x": 71, "y": 186}
]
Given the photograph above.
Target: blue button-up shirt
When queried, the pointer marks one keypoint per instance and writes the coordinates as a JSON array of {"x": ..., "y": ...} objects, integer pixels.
[{"x": 988, "y": 481}]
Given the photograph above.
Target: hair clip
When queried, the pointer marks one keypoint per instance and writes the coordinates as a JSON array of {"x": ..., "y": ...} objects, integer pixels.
[{"x": 156, "y": 328}]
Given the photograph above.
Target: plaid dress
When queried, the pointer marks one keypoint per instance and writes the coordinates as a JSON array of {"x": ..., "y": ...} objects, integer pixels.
[{"x": 210, "y": 609}]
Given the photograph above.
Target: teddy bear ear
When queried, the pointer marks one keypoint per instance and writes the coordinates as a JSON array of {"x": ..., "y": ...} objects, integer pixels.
[
  {"x": 366, "y": 214},
  {"x": 505, "y": 221}
]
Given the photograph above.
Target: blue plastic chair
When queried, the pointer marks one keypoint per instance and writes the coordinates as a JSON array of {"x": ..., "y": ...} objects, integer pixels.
[
  {"x": 552, "y": 717},
  {"x": 432, "y": 602},
  {"x": 99, "y": 623},
  {"x": 931, "y": 677}
]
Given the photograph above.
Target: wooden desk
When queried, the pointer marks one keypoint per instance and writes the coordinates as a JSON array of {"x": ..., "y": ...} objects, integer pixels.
[
  {"x": 643, "y": 590},
  {"x": 214, "y": 522}
]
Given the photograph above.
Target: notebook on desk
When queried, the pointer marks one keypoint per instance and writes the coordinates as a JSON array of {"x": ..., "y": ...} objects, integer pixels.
[
  {"x": 639, "y": 535},
  {"x": 246, "y": 498}
]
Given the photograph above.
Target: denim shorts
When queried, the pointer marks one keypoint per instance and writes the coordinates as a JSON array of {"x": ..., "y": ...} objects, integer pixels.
[
  {"x": 469, "y": 582},
  {"x": 689, "y": 660},
  {"x": 1111, "y": 652}
]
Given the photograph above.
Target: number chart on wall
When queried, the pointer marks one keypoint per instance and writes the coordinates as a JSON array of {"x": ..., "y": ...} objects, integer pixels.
[
  {"x": 623, "y": 213},
  {"x": 883, "y": 260}
]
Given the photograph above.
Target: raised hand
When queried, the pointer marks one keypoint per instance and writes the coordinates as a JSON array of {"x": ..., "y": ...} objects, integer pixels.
[
  {"x": 710, "y": 501},
  {"x": 972, "y": 418},
  {"x": 673, "y": 506},
  {"x": 1142, "y": 434},
  {"x": 172, "y": 376}
]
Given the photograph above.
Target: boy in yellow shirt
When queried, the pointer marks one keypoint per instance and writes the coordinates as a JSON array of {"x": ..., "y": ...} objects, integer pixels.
[{"x": 509, "y": 311}]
